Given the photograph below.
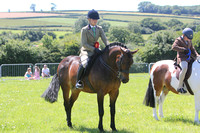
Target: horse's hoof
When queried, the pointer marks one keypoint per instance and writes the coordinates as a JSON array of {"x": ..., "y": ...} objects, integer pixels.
[
  {"x": 196, "y": 122},
  {"x": 101, "y": 130},
  {"x": 114, "y": 130},
  {"x": 70, "y": 125}
]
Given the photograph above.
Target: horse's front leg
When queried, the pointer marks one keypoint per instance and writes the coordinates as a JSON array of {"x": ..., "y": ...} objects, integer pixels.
[
  {"x": 100, "y": 99},
  {"x": 113, "y": 98},
  {"x": 197, "y": 107}
]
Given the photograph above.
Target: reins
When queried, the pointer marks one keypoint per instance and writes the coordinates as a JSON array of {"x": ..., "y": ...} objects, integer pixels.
[{"x": 108, "y": 67}]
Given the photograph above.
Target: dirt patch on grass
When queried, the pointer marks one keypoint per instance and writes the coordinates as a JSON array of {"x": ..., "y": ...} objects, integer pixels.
[{"x": 22, "y": 15}]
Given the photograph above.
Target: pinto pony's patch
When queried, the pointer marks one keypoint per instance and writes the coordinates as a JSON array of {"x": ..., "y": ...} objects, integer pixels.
[{"x": 163, "y": 79}]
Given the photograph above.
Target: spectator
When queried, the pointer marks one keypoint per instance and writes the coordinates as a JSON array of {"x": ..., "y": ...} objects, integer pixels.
[
  {"x": 37, "y": 73},
  {"x": 28, "y": 75},
  {"x": 45, "y": 71}
]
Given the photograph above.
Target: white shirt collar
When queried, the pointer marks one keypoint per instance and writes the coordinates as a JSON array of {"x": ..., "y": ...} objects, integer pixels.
[{"x": 92, "y": 26}]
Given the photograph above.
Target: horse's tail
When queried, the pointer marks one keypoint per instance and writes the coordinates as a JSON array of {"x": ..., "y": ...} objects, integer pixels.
[
  {"x": 51, "y": 93},
  {"x": 149, "y": 99}
]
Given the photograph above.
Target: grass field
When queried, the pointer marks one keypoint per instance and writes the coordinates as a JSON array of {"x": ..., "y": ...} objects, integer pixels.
[{"x": 22, "y": 110}]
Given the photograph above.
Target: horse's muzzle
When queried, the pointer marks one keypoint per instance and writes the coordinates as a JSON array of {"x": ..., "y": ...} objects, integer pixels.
[{"x": 124, "y": 80}]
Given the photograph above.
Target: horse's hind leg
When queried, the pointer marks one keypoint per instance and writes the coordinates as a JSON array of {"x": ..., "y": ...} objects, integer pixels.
[
  {"x": 68, "y": 103},
  {"x": 161, "y": 100}
]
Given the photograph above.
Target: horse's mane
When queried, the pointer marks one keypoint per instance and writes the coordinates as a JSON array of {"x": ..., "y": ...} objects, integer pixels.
[{"x": 114, "y": 45}]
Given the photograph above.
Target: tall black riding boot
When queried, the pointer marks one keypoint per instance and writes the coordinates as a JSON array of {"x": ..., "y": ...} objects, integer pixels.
[{"x": 79, "y": 83}]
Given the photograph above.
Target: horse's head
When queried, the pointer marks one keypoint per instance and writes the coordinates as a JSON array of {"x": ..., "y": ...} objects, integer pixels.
[{"x": 124, "y": 62}]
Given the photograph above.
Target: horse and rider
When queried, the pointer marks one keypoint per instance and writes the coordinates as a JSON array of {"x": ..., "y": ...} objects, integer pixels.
[
  {"x": 89, "y": 37},
  {"x": 180, "y": 77},
  {"x": 109, "y": 68},
  {"x": 185, "y": 51}
]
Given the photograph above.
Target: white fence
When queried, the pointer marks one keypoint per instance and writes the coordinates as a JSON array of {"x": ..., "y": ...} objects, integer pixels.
[{"x": 9, "y": 71}]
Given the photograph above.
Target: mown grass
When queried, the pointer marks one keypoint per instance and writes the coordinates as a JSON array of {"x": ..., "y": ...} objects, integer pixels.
[{"x": 23, "y": 110}]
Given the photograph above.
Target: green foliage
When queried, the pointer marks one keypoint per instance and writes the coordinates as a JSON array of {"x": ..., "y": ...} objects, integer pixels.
[
  {"x": 196, "y": 41},
  {"x": 148, "y": 7},
  {"x": 152, "y": 24},
  {"x": 159, "y": 47},
  {"x": 119, "y": 34},
  {"x": 80, "y": 23},
  {"x": 17, "y": 51},
  {"x": 105, "y": 25},
  {"x": 134, "y": 27},
  {"x": 175, "y": 24},
  {"x": 32, "y": 35}
]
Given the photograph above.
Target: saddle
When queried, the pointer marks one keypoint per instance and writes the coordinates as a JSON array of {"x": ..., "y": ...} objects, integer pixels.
[
  {"x": 187, "y": 75},
  {"x": 88, "y": 67}
]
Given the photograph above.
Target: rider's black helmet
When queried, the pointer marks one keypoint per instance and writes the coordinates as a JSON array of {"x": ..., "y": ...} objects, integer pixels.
[
  {"x": 188, "y": 32},
  {"x": 92, "y": 14}
]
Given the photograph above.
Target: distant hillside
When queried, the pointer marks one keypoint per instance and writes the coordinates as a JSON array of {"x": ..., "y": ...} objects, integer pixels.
[{"x": 148, "y": 7}]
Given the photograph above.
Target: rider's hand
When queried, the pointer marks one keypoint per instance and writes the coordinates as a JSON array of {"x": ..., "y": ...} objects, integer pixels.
[
  {"x": 186, "y": 51},
  {"x": 97, "y": 51}
]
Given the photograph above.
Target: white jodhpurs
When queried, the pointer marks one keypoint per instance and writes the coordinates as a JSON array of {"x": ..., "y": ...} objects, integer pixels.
[
  {"x": 184, "y": 66},
  {"x": 84, "y": 60}
]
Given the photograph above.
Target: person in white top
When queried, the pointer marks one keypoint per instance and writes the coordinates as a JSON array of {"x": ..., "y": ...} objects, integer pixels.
[{"x": 45, "y": 71}]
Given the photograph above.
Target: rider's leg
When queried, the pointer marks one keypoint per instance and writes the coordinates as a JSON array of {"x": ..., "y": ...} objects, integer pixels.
[
  {"x": 81, "y": 69},
  {"x": 184, "y": 66}
]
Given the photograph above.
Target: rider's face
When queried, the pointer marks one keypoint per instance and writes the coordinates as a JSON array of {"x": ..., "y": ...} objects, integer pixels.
[
  {"x": 186, "y": 39},
  {"x": 93, "y": 22}
]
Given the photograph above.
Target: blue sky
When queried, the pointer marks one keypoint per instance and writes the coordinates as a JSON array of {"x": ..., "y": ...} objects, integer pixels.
[{"x": 114, "y": 5}]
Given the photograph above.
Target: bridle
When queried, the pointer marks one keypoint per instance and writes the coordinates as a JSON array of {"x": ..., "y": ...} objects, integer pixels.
[{"x": 119, "y": 63}]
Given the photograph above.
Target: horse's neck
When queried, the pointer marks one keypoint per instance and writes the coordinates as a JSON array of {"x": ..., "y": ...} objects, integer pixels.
[{"x": 110, "y": 58}]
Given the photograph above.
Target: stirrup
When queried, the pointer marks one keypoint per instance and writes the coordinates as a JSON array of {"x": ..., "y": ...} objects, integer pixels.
[
  {"x": 181, "y": 90},
  {"x": 79, "y": 85}
]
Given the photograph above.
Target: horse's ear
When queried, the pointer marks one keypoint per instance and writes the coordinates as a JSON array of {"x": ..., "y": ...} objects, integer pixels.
[{"x": 133, "y": 52}]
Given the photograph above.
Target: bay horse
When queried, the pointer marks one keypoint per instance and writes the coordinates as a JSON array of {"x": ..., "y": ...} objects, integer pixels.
[
  {"x": 105, "y": 76},
  {"x": 163, "y": 78}
]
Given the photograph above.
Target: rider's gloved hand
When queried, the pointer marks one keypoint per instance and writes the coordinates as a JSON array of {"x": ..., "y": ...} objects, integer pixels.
[
  {"x": 96, "y": 50},
  {"x": 186, "y": 51}
]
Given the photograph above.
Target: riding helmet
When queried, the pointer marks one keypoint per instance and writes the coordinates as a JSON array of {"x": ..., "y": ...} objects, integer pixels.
[
  {"x": 92, "y": 14},
  {"x": 188, "y": 32}
]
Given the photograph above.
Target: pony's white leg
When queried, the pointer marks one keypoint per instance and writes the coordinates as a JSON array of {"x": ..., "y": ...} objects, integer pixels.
[
  {"x": 161, "y": 100},
  {"x": 197, "y": 107},
  {"x": 155, "y": 114},
  {"x": 154, "y": 109}
]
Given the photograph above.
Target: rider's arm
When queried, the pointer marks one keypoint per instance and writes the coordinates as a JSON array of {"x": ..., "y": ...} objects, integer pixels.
[
  {"x": 84, "y": 41},
  {"x": 103, "y": 37},
  {"x": 177, "y": 46}
]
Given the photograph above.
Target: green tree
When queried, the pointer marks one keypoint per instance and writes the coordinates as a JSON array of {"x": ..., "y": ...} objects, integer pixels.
[
  {"x": 105, "y": 25},
  {"x": 152, "y": 24},
  {"x": 196, "y": 41},
  {"x": 47, "y": 41},
  {"x": 80, "y": 23},
  {"x": 159, "y": 47},
  {"x": 119, "y": 34},
  {"x": 134, "y": 27}
]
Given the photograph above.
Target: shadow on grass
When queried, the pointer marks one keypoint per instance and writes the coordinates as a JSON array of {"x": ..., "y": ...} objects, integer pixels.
[
  {"x": 175, "y": 118},
  {"x": 90, "y": 130}
]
